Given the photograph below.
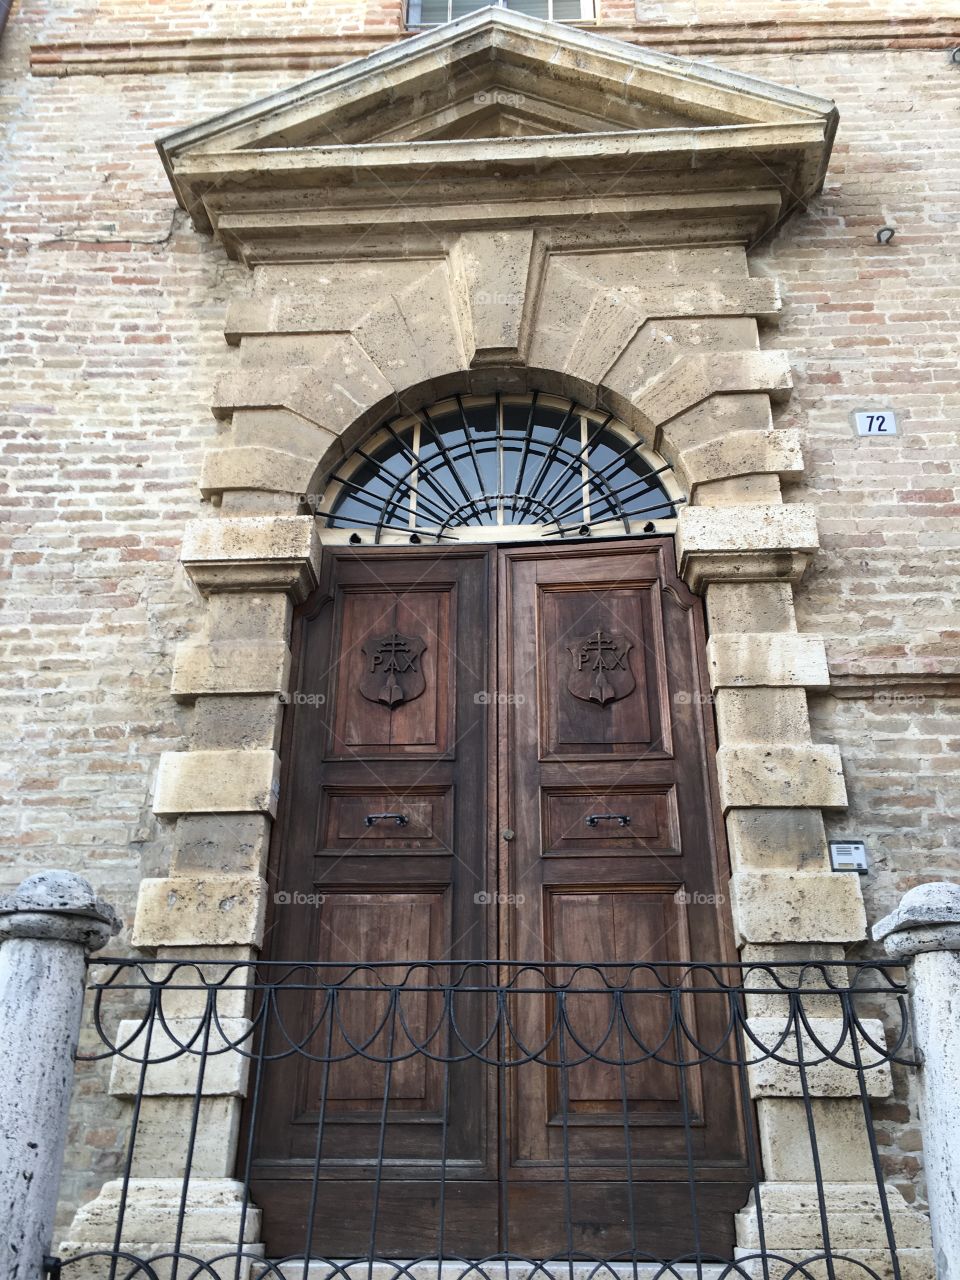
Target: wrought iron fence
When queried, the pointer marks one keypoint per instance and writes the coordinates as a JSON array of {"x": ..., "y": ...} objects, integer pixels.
[{"x": 483, "y": 1120}]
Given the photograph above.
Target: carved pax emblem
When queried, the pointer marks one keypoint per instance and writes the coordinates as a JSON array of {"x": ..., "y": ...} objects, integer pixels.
[
  {"x": 601, "y": 670},
  {"x": 392, "y": 671}
]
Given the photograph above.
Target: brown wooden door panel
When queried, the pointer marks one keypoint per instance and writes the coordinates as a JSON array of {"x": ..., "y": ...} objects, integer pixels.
[
  {"x": 599, "y": 648},
  {"x": 401, "y": 771},
  {"x": 391, "y": 661}
]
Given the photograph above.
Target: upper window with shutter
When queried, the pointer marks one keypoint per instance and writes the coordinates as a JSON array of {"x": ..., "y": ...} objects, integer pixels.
[{"x": 430, "y": 13}]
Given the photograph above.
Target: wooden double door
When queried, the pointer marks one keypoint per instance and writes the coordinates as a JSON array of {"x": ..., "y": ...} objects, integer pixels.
[{"x": 498, "y": 755}]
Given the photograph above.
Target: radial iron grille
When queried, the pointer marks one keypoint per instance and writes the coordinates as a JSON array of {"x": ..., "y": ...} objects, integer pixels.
[{"x": 499, "y": 461}]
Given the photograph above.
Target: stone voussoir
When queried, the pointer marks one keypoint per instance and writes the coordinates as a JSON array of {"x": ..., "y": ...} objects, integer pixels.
[
  {"x": 255, "y": 467},
  {"x": 742, "y": 453}
]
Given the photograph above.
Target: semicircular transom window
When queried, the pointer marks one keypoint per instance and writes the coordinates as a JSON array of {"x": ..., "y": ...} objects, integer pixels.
[{"x": 476, "y": 466}]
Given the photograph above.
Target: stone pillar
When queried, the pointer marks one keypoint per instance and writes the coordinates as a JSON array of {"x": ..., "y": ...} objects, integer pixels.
[
  {"x": 925, "y": 929},
  {"x": 788, "y": 906},
  {"x": 222, "y": 793},
  {"x": 48, "y": 927}
]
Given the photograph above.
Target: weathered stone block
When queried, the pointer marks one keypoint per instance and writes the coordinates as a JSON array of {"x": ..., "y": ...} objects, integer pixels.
[
  {"x": 214, "y": 1211},
  {"x": 828, "y": 1054},
  {"x": 200, "y": 910},
  {"x": 742, "y": 453},
  {"x": 767, "y": 659},
  {"x": 175, "y": 1051},
  {"x": 217, "y": 782},
  {"x": 236, "y": 722},
  {"x": 840, "y": 1139},
  {"x": 745, "y": 543},
  {"x": 253, "y": 553},
  {"x": 753, "y": 607},
  {"x": 189, "y": 973},
  {"x": 777, "y": 839},
  {"x": 762, "y": 715},
  {"x": 221, "y": 843},
  {"x": 256, "y": 467},
  {"x": 854, "y": 1210},
  {"x": 801, "y": 906},
  {"x": 225, "y": 667},
  {"x": 163, "y": 1134},
  {"x": 769, "y": 775}
]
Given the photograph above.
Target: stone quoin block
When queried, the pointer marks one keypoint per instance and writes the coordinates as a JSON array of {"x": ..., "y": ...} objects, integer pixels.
[
  {"x": 767, "y": 659},
  {"x": 183, "y": 911},
  {"x": 828, "y": 1054},
  {"x": 839, "y": 1134},
  {"x": 224, "y": 667},
  {"x": 768, "y": 775},
  {"x": 217, "y": 782},
  {"x": 797, "y": 906},
  {"x": 174, "y": 1050}
]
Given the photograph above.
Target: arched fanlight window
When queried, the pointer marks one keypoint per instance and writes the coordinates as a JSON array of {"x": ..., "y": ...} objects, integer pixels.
[{"x": 477, "y": 466}]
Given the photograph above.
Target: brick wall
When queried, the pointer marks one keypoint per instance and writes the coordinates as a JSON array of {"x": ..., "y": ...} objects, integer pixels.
[{"x": 111, "y": 336}]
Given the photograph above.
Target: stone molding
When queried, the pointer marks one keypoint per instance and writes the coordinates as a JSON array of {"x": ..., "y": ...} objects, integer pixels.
[
  {"x": 894, "y": 678},
  {"x": 253, "y": 553},
  {"x": 114, "y": 54},
  {"x": 745, "y": 543}
]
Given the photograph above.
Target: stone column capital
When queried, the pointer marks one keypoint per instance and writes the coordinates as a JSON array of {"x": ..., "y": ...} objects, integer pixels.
[
  {"x": 927, "y": 919},
  {"x": 61, "y": 907}
]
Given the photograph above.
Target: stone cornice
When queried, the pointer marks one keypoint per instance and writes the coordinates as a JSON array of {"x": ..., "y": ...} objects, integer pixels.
[
  {"x": 720, "y": 156},
  {"x": 115, "y": 55},
  {"x": 894, "y": 678}
]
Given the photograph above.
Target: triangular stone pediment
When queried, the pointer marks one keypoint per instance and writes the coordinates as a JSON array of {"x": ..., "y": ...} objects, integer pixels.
[{"x": 463, "y": 110}]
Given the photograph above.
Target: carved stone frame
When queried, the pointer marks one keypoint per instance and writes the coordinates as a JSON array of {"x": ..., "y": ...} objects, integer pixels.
[{"x": 350, "y": 317}]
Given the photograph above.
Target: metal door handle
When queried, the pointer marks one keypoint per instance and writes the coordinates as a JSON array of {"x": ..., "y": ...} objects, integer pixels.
[
  {"x": 399, "y": 819},
  {"x": 622, "y": 819}
]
